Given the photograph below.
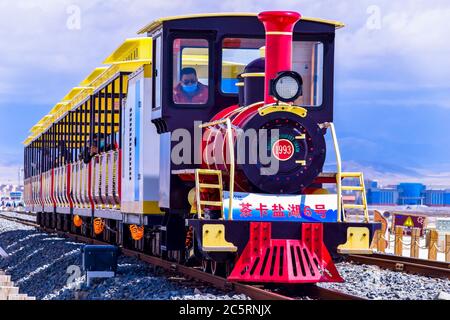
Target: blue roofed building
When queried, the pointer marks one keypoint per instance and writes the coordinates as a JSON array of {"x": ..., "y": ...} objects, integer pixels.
[
  {"x": 406, "y": 194},
  {"x": 411, "y": 193}
]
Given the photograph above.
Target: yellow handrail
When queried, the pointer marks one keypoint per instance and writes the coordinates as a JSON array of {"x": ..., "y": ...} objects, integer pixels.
[
  {"x": 232, "y": 168},
  {"x": 364, "y": 199},
  {"x": 339, "y": 169},
  {"x": 227, "y": 121},
  {"x": 341, "y": 175}
]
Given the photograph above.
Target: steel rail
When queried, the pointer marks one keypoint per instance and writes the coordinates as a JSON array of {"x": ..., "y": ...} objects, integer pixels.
[
  {"x": 435, "y": 269},
  {"x": 439, "y": 264},
  {"x": 332, "y": 294},
  {"x": 19, "y": 220}
]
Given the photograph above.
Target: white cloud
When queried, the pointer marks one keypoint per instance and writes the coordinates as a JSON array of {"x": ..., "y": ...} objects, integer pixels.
[
  {"x": 36, "y": 40},
  {"x": 9, "y": 174},
  {"x": 413, "y": 102},
  {"x": 410, "y": 45}
]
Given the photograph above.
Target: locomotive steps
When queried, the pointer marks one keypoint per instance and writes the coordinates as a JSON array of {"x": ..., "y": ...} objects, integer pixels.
[{"x": 8, "y": 291}]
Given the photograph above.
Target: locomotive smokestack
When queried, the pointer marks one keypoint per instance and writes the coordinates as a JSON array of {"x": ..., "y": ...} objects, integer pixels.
[{"x": 279, "y": 35}]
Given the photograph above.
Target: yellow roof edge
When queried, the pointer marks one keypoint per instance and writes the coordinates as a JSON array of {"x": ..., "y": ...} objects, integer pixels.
[
  {"x": 127, "y": 47},
  {"x": 143, "y": 61},
  {"x": 92, "y": 76},
  {"x": 72, "y": 93},
  {"x": 114, "y": 68},
  {"x": 336, "y": 23},
  {"x": 155, "y": 24},
  {"x": 55, "y": 109},
  {"x": 76, "y": 100},
  {"x": 27, "y": 141}
]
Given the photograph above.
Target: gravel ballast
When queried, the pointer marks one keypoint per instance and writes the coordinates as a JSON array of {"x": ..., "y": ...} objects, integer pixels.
[
  {"x": 375, "y": 283},
  {"x": 39, "y": 265}
]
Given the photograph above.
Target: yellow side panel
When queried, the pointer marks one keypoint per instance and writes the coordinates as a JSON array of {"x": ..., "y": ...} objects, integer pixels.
[{"x": 146, "y": 207}]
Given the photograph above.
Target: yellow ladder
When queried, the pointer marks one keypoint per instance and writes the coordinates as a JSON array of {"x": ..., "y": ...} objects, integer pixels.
[
  {"x": 359, "y": 188},
  {"x": 199, "y": 186}
]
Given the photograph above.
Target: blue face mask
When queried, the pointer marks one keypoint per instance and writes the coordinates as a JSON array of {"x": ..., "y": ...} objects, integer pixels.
[{"x": 190, "y": 88}]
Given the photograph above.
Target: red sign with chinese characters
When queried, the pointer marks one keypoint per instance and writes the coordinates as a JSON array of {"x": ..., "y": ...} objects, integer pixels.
[{"x": 300, "y": 208}]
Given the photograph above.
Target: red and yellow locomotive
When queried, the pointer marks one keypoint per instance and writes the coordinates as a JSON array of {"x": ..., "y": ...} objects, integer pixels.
[{"x": 204, "y": 141}]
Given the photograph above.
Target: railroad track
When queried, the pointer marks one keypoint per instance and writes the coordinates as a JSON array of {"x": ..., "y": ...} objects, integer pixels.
[
  {"x": 254, "y": 292},
  {"x": 19, "y": 220},
  {"x": 435, "y": 269}
]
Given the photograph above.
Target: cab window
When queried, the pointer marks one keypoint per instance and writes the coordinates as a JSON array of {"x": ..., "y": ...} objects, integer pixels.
[
  {"x": 307, "y": 60},
  {"x": 237, "y": 53},
  {"x": 190, "y": 71}
]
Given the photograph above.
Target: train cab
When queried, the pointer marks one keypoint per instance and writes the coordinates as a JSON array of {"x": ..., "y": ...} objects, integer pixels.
[
  {"x": 145, "y": 151},
  {"x": 217, "y": 49}
]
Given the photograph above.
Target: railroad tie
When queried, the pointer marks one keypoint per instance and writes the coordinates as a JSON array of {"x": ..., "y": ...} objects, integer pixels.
[{"x": 8, "y": 291}]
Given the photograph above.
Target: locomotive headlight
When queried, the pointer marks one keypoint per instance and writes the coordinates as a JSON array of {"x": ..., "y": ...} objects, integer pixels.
[{"x": 287, "y": 86}]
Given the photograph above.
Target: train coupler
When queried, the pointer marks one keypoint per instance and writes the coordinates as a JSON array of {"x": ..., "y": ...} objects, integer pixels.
[{"x": 286, "y": 261}]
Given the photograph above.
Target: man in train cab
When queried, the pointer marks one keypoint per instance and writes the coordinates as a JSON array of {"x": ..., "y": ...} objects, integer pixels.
[{"x": 190, "y": 90}]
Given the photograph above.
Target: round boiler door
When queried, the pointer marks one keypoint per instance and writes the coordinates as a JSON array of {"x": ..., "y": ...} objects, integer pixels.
[{"x": 285, "y": 156}]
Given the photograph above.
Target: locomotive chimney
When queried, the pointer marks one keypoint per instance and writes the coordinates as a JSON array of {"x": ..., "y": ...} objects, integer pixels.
[{"x": 279, "y": 35}]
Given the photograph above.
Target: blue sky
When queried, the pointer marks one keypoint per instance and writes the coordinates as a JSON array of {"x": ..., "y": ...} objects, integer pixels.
[{"x": 392, "y": 72}]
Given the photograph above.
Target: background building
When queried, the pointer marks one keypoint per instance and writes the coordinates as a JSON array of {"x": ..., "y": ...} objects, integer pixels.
[
  {"x": 406, "y": 194},
  {"x": 382, "y": 196},
  {"x": 411, "y": 193},
  {"x": 434, "y": 198}
]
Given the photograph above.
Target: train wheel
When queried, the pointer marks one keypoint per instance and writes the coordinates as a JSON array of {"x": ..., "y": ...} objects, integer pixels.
[
  {"x": 206, "y": 266},
  {"x": 156, "y": 245},
  {"x": 215, "y": 267}
]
